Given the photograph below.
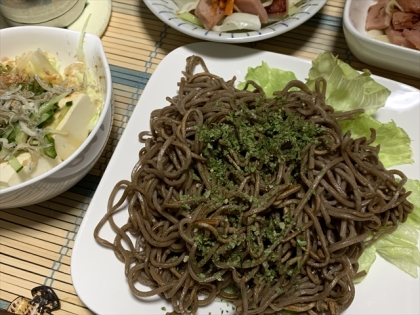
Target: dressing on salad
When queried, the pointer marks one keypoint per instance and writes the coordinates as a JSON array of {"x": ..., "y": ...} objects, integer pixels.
[
  {"x": 231, "y": 15},
  {"x": 45, "y": 114}
]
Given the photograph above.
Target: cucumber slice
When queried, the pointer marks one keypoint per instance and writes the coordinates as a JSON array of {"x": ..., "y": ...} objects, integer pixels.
[
  {"x": 50, "y": 151},
  {"x": 15, "y": 164}
]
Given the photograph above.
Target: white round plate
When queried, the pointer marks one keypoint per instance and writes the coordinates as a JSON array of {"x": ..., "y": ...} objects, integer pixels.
[{"x": 165, "y": 10}]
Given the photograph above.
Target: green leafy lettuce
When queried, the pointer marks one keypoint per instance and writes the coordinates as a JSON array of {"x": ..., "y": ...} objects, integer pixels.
[
  {"x": 270, "y": 79},
  {"x": 347, "y": 89},
  {"x": 400, "y": 247},
  {"x": 366, "y": 261},
  {"x": 393, "y": 140}
]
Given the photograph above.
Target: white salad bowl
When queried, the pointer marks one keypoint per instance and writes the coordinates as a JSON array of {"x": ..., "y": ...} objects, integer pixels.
[
  {"x": 373, "y": 51},
  {"x": 166, "y": 11},
  {"x": 62, "y": 44}
]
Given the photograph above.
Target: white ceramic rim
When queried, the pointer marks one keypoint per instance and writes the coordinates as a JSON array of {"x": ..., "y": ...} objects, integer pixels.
[{"x": 106, "y": 105}]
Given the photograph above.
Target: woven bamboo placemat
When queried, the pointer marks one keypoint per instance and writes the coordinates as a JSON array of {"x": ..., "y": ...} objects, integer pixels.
[{"x": 36, "y": 241}]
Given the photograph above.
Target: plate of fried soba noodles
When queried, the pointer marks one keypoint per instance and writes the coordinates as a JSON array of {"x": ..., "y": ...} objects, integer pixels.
[{"x": 223, "y": 198}]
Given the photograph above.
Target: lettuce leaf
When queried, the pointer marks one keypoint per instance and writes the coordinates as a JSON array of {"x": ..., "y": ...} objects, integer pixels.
[
  {"x": 404, "y": 256},
  {"x": 394, "y": 141},
  {"x": 366, "y": 261},
  {"x": 400, "y": 247},
  {"x": 347, "y": 89},
  {"x": 414, "y": 198},
  {"x": 270, "y": 79}
]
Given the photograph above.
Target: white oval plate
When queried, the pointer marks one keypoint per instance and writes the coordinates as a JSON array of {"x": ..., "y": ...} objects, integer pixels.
[
  {"x": 98, "y": 276},
  {"x": 165, "y": 10}
]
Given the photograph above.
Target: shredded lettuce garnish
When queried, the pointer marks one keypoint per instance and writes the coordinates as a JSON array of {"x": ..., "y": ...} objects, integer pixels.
[{"x": 80, "y": 52}]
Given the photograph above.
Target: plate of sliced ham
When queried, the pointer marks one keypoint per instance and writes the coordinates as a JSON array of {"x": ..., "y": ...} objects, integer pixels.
[
  {"x": 395, "y": 21},
  {"x": 234, "y": 21},
  {"x": 384, "y": 33}
]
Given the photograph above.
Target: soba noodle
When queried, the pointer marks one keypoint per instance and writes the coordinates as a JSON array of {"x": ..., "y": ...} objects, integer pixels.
[{"x": 282, "y": 230}]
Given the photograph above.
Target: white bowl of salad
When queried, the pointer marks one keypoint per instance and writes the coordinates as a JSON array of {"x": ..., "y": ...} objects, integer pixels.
[
  {"x": 234, "y": 21},
  {"x": 55, "y": 111},
  {"x": 384, "y": 33}
]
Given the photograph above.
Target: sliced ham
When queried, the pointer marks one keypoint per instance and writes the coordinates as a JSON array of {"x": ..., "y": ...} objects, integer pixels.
[
  {"x": 413, "y": 36},
  {"x": 412, "y": 6},
  {"x": 277, "y": 9},
  {"x": 254, "y": 7},
  {"x": 209, "y": 13},
  {"x": 402, "y": 20},
  {"x": 397, "y": 38},
  {"x": 377, "y": 18}
]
